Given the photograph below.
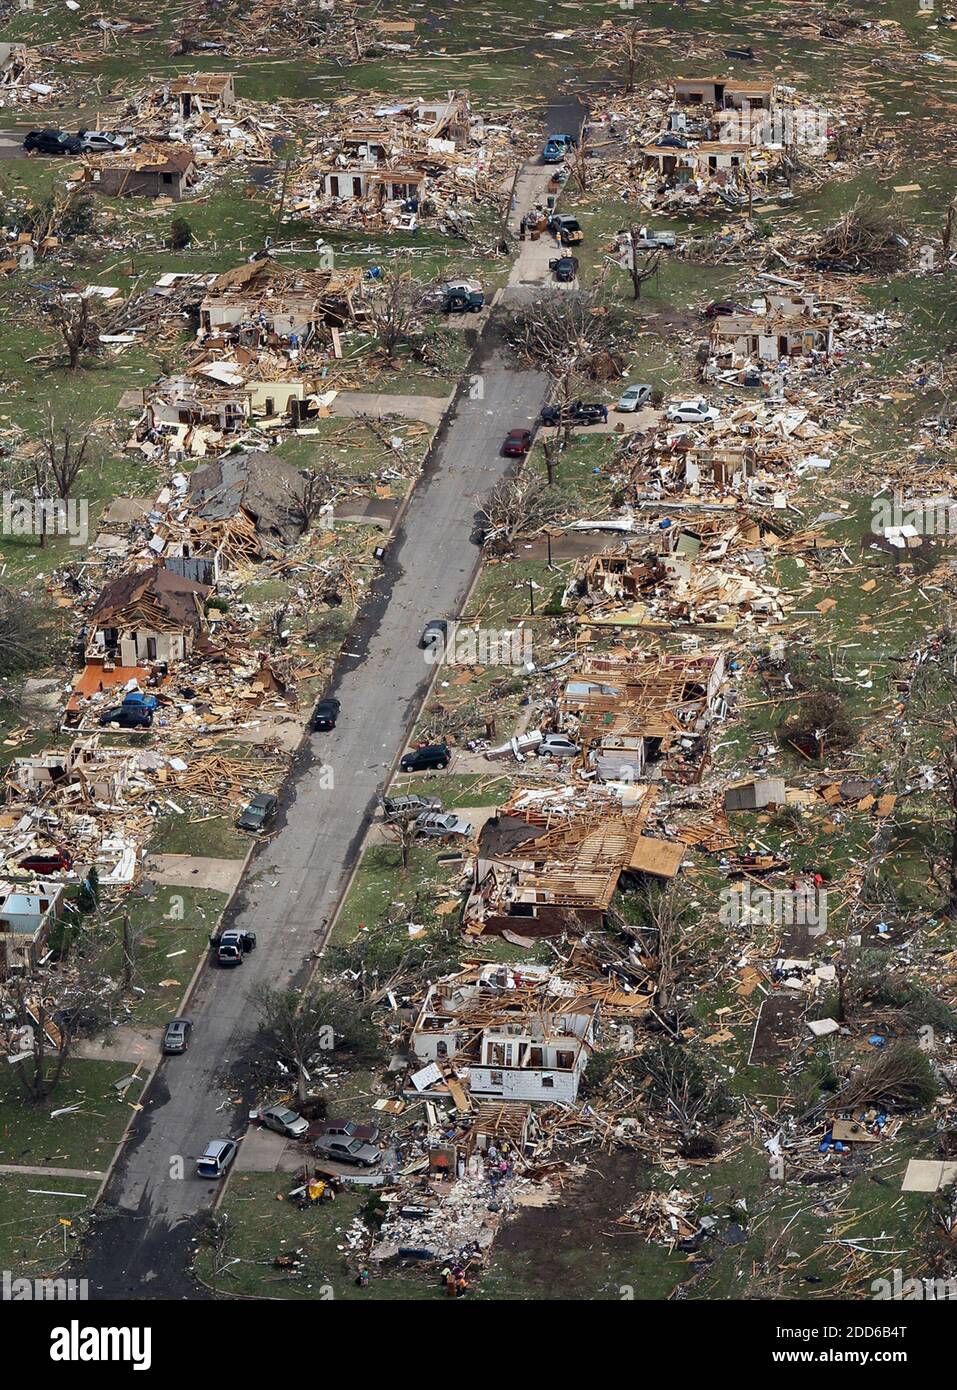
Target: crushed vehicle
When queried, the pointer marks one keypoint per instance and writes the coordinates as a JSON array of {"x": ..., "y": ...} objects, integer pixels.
[{"x": 440, "y": 825}]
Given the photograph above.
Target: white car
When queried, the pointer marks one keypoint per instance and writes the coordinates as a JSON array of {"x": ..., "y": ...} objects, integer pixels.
[
  {"x": 697, "y": 412},
  {"x": 634, "y": 397},
  {"x": 557, "y": 746}
]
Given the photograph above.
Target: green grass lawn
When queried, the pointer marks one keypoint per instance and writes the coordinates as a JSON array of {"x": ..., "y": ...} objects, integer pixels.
[
  {"x": 31, "y": 1209},
  {"x": 85, "y": 1138}
]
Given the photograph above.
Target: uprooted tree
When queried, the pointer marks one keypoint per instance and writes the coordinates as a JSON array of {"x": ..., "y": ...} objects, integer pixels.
[
  {"x": 516, "y": 507},
  {"x": 862, "y": 241},
  {"x": 24, "y": 634}
]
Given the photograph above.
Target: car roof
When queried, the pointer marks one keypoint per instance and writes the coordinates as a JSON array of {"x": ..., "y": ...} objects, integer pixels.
[
  {"x": 216, "y": 1148},
  {"x": 178, "y": 1025},
  {"x": 263, "y": 799}
]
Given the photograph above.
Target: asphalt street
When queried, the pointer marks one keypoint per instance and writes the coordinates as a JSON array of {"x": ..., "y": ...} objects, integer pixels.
[{"x": 295, "y": 879}]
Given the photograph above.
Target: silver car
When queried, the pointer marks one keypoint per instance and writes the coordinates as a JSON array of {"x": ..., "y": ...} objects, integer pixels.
[
  {"x": 634, "y": 397},
  {"x": 440, "y": 824},
  {"x": 406, "y": 807},
  {"x": 284, "y": 1121},
  {"x": 341, "y": 1149},
  {"x": 557, "y": 746}
]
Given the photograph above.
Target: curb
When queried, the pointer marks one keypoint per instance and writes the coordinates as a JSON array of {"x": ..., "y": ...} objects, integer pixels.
[{"x": 151, "y": 1075}]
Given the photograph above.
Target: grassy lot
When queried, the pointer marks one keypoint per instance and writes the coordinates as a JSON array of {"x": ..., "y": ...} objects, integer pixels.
[
  {"x": 31, "y": 1237},
  {"x": 379, "y": 885},
  {"x": 84, "y": 1138},
  {"x": 211, "y": 836},
  {"x": 170, "y": 932}
]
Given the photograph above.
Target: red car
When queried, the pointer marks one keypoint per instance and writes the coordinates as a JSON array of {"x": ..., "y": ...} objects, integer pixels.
[
  {"x": 54, "y": 861},
  {"x": 517, "y": 444}
]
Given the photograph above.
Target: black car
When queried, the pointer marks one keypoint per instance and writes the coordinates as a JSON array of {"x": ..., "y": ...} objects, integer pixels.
[
  {"x": 434, "y": 633},
  {"x": 564, "y": 268},
  {"x": 670, "y": 141},
  {"x": 325, "y": 714},
  {"x": 128, "y": 717},
  {"x": 258, "y": 813},
  {"x": 177, "y": 1035},
  {"x": 52, "y": 142},
  {"x": 421, "y": 759}
]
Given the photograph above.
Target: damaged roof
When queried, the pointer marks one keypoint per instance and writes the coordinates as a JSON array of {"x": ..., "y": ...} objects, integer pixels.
[{"x": 262, "y": 485}]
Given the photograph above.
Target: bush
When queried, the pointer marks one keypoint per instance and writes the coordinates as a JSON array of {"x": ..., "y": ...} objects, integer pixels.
[
  {"x": 900, "y": 1076},
  {"x": 819, "y": 726},
  {"x": 180, "y": 233}
]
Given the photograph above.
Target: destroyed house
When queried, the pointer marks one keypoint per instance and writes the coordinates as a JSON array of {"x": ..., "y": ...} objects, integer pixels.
[
  {"x": 83, "y": 772},
  {"x": 243, "y": 490},
  {"x": 375, "y": 186},
  {"x": 722, "y": 92},
  {"x": 203, "y": 92},
  {"x": 518, "y": 1033},
  {"x": 633, "y": 711},
  {"x": 259, "y": 300},
  {"x": 27, "y": 912},
  {"x": 148, "y": 615},
  {"x": 181, "y": 402},
  {"x": 685, "y": 463},
  {"x": 152, "y": 171},
  {"x": 549, "y": 868},
  {"x": 739, "y": 338},
  {"x": 14, "y": 63}
]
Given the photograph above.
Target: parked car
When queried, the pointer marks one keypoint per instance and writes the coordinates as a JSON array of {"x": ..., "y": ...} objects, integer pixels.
[
  {"x": 128, "y": 716},
  {"x": 557, "y": 746},
  {"x": 284, "y": 1121},
  {"x": 695, "y": 412},
  {"x": 347, "y": 1129},
  {"x": 634, "y": 397},
  {"x": 217, "y": 1157},
  {"x": 655, "y": 241},
  {"x": 421, "y": 759},
  {"x": 556, "y": 147},
  {"x": 325, "y": 714},
  {"x": 177, "y": 1035},
  {"x": 54, "y": 861},
  {"x": 438, "y": 825},
  {"x": 407, "y": 807},
  {"x": 344, "y": 1150},
  {"x": 578, "y": 412},
  {"x": 564, "y": 268},
  {"x": 231, "y": 947},
  {"x": 100, "y": 141},
  {"x": 258, "y": 814},
  {"x": 52, "y": 142},
  {"x": 434, "y": 633},
  {"x": 517, "y": 444}
]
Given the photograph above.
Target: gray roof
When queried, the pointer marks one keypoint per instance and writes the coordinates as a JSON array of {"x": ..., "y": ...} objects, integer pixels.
[{"x": 262, "y": 485}]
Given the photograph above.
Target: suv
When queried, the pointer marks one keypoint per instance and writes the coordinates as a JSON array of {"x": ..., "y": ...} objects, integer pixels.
[
  {"x": 232, "y": 946},
  {"x": 52, "y": 142},
  {"x": 176, "y": 1037},
  {"x": 407, "y": 807},
  {"x": 100, "y": 141},
  {"x": 258, "y": 813},
  {"x": 434, "y": 634},
  {"x": 655, "y": 241},
  {"x": 218, "y": 1155},
  {"x": 422, "y": 759}
]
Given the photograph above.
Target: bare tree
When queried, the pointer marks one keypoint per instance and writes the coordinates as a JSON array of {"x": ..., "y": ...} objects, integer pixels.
[
  {"x": 24, "y": 637},
  {"x": 630, "y": 36},
  {"x": 65, "y": 456},
  {"x": 643, "y": 270},
  {"x": 77, "y": 323},
  {"x": 311, "y": 499},
  {"x": 395, "y": 310},
  {"x": 403, "y": 834}
]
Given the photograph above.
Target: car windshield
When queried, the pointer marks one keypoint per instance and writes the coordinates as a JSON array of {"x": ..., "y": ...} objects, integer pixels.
[{"x": 355, "y": 1146}]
